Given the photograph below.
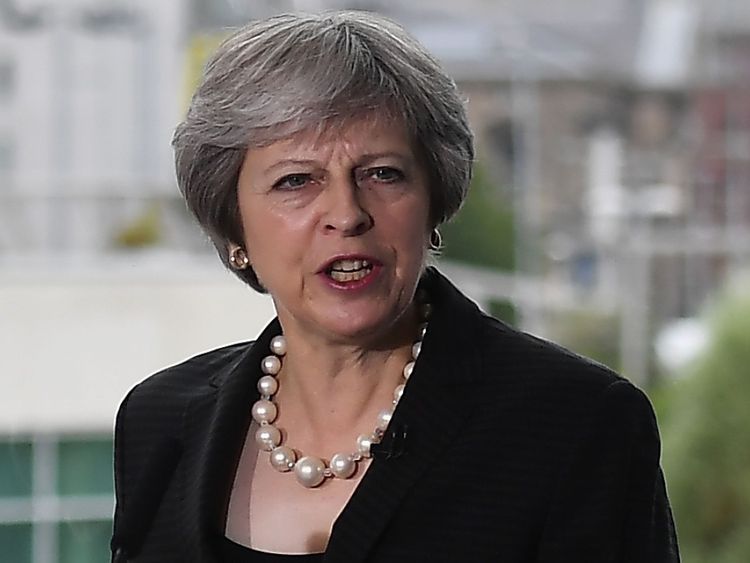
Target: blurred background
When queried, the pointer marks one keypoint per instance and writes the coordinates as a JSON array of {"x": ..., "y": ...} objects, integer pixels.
[{"x": 610, "y": 212}]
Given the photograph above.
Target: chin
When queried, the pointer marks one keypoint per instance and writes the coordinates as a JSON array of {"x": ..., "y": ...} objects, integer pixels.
[
  {"x": 358, "y": 328},
  {"x": 352, "y": 332}
]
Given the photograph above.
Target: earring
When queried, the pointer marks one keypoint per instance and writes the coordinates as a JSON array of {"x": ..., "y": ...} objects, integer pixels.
[
  {"x": 436, "y": 240},
  {"x": 238, "y": 258}
]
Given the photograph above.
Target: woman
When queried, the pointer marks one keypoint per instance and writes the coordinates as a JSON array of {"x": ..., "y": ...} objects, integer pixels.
[{"x": 381, "y": 416}]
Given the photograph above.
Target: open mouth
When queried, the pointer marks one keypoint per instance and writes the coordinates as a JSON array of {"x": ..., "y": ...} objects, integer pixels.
[{"x": 343, "y": 271}]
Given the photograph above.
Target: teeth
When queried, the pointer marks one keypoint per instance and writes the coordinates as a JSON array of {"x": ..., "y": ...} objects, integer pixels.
[
  {"x": 342, "y": 277},
  {"x": 349, "y": 265},
  {"x": 344, "y": 271}
]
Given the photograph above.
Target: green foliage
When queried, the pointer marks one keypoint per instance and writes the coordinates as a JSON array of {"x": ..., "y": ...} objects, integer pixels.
[
  {"x": 504, "y": 310},
  {"x": 590, "y": 333},
  {"x": 482, "y": 233},
  {"x": 707, "y": 443},
  {"x": 144, "y": 230}
]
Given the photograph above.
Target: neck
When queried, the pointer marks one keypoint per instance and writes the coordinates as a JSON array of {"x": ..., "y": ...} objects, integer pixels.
[{"x": 335, "y": 384}]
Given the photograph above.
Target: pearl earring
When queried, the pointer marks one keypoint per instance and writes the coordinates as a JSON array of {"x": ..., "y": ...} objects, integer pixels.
[{"x": 238, "y": 259}]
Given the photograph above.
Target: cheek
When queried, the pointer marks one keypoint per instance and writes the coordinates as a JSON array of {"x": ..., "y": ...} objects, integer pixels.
[
  {"x": 267, "y": 227},
  {"x": 413, "y": 236},
  {"x": 419, "y": 236},
  {"x": 417, "y": 224}
]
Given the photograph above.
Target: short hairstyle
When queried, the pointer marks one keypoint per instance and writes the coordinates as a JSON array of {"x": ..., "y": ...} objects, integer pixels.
[{"x": 291, "y": 73}]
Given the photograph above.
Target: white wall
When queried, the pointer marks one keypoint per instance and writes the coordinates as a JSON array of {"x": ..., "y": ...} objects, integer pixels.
[
  {"x": 91, "y": 115},
  {"x": 72, "y": 342}
]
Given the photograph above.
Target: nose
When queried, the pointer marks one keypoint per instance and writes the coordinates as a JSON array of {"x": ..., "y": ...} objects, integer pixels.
[{"x": 346, "y": 211}]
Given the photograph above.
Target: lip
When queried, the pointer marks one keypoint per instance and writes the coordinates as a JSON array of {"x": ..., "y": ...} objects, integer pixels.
[{"x": 369, "y": 279}]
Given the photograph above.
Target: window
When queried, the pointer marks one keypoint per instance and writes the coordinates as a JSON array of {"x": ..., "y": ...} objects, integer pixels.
[
  {"x": 56, "y": 499},
  {"x": 15, "y": 469},
  {"x": 15, "y": 542},
  {"x": 84, "y": 468},
  {"x": 84, "y": 542}
]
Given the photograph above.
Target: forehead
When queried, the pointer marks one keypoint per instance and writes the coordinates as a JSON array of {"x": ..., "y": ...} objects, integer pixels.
[{"x": 367, "y": 134}]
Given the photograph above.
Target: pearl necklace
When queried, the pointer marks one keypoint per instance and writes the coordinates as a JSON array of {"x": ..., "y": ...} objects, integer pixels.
[{"x": 311, "y": 471}]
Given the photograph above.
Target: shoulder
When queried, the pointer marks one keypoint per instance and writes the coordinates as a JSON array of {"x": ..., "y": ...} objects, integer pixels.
[
  {"x": 530, "y": 372},
  {"x": 151, "y": 415},
  {"x": 557, "y": 388},
  {"x": 557, "y": 400},
  {"x": 533, "y": 360},
  {"x": 196, "y": 372},
  {"x": 167, "y": 392}
]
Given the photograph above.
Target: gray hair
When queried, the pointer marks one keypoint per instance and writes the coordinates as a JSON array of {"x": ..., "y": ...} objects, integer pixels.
[{"x": 293, "y": 73}]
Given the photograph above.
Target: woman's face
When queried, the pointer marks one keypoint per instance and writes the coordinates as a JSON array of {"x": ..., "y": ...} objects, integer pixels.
[{"x": 336, "y": 227}]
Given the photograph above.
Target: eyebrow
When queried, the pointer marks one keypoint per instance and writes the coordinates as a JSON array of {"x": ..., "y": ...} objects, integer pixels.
[
  {"x": 365, "y": 159},
  {"x": 288, "y": 161}
]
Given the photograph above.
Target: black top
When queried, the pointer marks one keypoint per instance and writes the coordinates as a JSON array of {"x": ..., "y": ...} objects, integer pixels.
[
  {"x": 511, "y": 449},
  {"x": 235, "y": 553}
]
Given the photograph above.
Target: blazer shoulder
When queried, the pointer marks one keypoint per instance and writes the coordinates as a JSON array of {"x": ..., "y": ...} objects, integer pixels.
[
  {"x": 544, "y": 369},
  {"x": 542, "y": 362},
  {"x": 506, "y": 362},
  {"x": 198, "y": 371},
  {"x": 171, "y": 389},
  {"x": 561, "y": 396}
]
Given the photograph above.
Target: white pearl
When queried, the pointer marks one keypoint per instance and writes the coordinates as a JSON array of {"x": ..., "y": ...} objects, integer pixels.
[
  {"x": 310, "y": 471},
  {"x": 398, "y": 393},
  {"x": 268, "y": 437},
  {"x": 384, "y": 417},
  {"x": 270, "y": 365},
  {"x": 426, "y": 310},
  {"x": 267, "y": 385},
  {"x": 278, "y": 345},
  {"x": 416, "y": 349},
  {"x": 364, "y": 441},
  {"x": 343, "y": 466},
  {"x": 264, "y": 411},
  {"x": 422, "y": 331},
  {"x": 283, "y": 458},
  {"x": 408, "y": 368}
]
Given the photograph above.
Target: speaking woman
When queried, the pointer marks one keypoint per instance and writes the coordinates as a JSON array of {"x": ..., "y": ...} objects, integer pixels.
[{"x": 381, "y": 416}]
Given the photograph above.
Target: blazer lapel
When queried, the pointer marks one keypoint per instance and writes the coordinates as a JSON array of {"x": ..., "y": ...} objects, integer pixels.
[
  {"x": 427, "y": 412},
  {"x": 215, "y": 428}
]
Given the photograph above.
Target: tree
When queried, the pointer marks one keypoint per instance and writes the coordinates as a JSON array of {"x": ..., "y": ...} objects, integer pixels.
[
  {"x": 707, "y": 442},
  {"x": 482, "y": 233}
]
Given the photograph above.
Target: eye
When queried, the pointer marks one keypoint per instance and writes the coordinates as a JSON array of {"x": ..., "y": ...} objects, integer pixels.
[
  {"x": 384, "y": 174},
  {"x": 292, "y": 181}
]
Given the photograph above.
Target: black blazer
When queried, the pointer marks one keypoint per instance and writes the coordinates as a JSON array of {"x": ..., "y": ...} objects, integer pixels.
[{"x": 503, "y": 448}]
